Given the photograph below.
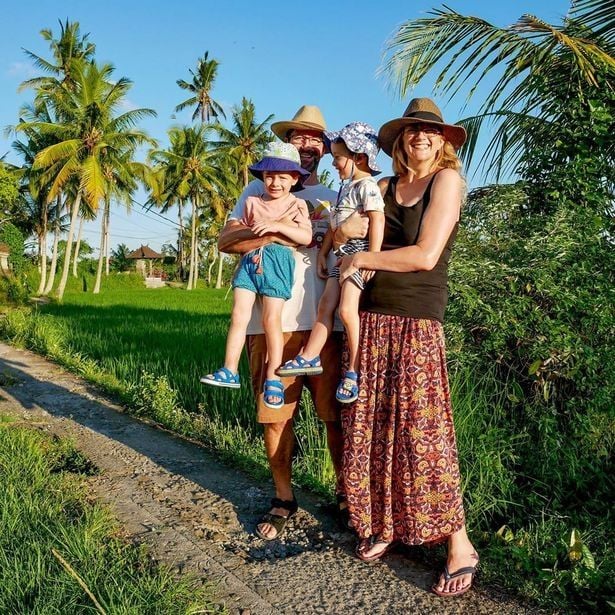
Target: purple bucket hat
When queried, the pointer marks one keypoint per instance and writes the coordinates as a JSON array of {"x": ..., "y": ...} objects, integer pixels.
[
  {"x": 280, "y": 157},
  {"x": 359, "y": 138}
]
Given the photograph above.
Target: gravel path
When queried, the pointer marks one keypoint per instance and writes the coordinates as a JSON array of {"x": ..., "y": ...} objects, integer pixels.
[{"x": 198, "y": 514}]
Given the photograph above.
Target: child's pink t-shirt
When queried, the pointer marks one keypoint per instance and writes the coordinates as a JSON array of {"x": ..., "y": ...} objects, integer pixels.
[{"x": 287, "y": 207}]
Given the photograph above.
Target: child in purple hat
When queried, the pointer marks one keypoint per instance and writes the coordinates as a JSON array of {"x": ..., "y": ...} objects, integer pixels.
[
  {"x": 267, "y": 272},
  {"x": 354, "y": 150}
]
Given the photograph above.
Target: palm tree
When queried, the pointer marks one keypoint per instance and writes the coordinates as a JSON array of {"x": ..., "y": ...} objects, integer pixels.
[
  {"x": 120, "y": 173},
  {"x": 36, "y": 189},
  {"x": 229, "y": 189},
  {"x": 532, "y": 61},
  {"x": 200, "y": 89},
  {"x": 246, "y": 139},
  {"x": 86, "y": 133},
  {"x": 58, "y": 224},
  {"x": 158, "y": 196},
  {"x": 190, "y": 175},
  {"x": 71, "y": 46}
]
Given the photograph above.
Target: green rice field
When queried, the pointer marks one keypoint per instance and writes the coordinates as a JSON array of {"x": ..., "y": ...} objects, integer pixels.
[{"x": 149, "y": 348}]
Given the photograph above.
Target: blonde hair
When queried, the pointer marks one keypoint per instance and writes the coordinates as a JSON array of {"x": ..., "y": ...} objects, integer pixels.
[{"x": 446, "y": 158}]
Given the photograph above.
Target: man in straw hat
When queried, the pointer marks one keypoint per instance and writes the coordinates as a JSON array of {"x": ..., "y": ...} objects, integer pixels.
[{"x": 305, "y": 132}]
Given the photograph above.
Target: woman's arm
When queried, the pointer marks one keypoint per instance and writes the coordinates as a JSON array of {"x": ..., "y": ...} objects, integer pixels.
[{"x": 436, "y": 228}]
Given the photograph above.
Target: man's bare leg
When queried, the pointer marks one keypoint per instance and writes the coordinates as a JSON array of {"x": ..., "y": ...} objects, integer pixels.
[{"x": 279, "y": 444}]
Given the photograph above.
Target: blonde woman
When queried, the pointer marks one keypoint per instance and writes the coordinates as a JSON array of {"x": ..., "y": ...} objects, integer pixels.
[{"x": 400, "y": 457}]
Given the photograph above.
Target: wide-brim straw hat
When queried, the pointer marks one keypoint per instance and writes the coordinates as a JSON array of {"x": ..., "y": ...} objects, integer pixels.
[
  {"x": 420, "y": 111},
  {"x": 309, "y": 117}
]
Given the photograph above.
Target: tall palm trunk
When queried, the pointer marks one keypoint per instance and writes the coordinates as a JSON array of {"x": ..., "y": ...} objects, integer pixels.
[
  {"x": 210, "y": 266},
  {"x": 180, "y": 248},
  {"x": 192, "y": 248},
  {"x": 107, "y": 223},
  {"x": 101, "y": 251},
  {"x": 69, "y": 246},
  {"x": 77, "y": 247},
  {"x": 220, "y": 259},
  {"x": 42, "y": 247},
  {"x": 54, "y": 261}
]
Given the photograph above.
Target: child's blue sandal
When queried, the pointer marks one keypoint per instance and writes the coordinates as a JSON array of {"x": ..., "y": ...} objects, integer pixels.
[
  {"x": 222, "y": 377},
  {"x": 348, "y": 389},
  {"x": 300, "y": 367},
  {"x": 271, "y": 390}
]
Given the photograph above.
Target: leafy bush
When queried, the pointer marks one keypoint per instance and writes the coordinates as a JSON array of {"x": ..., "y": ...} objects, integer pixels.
[{"x": 13, "y": 237}]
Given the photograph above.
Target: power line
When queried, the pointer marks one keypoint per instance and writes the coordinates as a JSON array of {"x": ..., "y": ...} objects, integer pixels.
[{"x": 153, "y": 212}]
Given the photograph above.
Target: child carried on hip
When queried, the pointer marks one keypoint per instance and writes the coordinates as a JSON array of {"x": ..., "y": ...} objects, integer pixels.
[{"x": 268, "y": 271}]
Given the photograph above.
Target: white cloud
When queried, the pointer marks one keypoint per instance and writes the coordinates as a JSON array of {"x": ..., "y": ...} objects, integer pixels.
[
  {"x": 23, "y": 70},
  {"x": 128, "y": 105}
]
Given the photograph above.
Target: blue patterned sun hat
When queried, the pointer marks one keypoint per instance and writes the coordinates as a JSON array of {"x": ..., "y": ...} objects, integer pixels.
[
  {"x": 281, "y": 157},
  {"x": 359, "y": 138}
]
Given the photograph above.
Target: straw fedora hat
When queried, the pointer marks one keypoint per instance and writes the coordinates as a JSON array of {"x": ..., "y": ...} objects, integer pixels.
[
  {"x": 309, "y": 117},
  {"x": 420, "y": 111}
]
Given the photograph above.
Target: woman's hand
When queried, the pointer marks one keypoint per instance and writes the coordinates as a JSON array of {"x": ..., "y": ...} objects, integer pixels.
[
  {"x": 347, "y": 266},
  {"x": 355, "y": 226}
]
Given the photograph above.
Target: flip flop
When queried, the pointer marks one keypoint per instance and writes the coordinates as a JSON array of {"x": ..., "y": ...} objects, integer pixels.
[
  {"x": 367, "y": 543},
  {"x": 471, "y": 570}
]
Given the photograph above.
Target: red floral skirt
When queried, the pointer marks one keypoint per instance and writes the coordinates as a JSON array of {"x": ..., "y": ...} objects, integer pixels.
[{"x": 401, "y": 471}]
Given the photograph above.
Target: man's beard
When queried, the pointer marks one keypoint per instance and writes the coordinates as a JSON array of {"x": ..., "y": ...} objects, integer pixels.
[{"x": 309, "y": 163}]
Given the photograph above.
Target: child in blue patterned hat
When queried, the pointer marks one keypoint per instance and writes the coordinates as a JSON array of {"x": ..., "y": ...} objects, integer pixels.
[
  {"x": 354, "y": 150},
  {"x": 268, "y": 271}
]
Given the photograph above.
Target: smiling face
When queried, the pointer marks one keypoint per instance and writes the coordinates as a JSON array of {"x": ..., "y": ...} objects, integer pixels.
[
  {"x": 311, "y": 147},
  {"x": 279, "y": 184},
  {"x": 422, "y": 141},
  {"x": 343, "y": 160}
]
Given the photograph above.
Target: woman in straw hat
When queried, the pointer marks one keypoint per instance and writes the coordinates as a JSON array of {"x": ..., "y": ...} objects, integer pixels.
[{"x": 400, "y": 457}]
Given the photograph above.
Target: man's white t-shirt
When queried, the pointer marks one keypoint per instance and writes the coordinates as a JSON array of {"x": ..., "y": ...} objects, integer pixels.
[{"x": 300, "y": 311}]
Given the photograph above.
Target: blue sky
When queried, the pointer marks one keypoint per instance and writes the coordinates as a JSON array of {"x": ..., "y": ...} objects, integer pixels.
[{"x": 279, "y": 54}]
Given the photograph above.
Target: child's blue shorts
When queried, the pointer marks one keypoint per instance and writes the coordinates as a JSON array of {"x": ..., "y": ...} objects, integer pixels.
[{"x": 268, "y": 271}]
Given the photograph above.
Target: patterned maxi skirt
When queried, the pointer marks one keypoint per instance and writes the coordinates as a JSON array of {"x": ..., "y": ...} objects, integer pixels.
[{"x": 401, "y": 471}]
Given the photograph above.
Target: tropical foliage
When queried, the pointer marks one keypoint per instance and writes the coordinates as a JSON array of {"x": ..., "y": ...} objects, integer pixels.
[
  {"x": 532, "y": 279},
  {"x": 531, "y": 62}
]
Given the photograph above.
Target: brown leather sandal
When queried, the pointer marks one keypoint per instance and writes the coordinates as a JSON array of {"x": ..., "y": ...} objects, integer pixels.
[{"x": 278, "y": 522}]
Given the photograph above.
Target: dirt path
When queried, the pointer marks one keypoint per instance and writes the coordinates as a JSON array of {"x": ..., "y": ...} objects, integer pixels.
[{"x": 198, "y": 514}]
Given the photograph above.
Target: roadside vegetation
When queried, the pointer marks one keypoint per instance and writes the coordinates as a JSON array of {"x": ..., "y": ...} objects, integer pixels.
[{"x": 59, "y": 553}]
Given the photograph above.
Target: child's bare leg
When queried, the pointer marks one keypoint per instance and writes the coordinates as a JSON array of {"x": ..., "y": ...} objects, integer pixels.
[
  {"x": 243, "y": 302},
  {"x": 349, "y": 314},
  {"x": 324, "y": 321},
  {"x": 272, "y": 325}
]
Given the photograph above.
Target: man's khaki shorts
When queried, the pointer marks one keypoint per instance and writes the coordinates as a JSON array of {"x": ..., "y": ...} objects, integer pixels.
[{"x": 322, "y": 388}]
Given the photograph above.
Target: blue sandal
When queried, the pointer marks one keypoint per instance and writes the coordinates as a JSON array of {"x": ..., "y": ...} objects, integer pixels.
[
  {"x": 348, "y": 389},
  {"x": 222, "y": 377},
  {"x": 300, "y": 367},
  {"x": 271, "y": 390}
]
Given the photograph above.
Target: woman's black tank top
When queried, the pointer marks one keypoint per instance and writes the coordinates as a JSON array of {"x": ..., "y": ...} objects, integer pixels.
[{"x": 416, "y": 294}]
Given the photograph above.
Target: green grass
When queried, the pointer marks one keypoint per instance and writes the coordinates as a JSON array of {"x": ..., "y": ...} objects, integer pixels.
[
  {"x": 151, "y": 346},
  {"x": 54, "y": 544}
]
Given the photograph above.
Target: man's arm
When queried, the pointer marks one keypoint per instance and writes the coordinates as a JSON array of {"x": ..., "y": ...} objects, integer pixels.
[{"x": 237, "y": 238}]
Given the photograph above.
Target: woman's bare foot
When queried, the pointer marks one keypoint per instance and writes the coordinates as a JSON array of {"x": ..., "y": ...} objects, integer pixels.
[{"x": 460, "y": 566}]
